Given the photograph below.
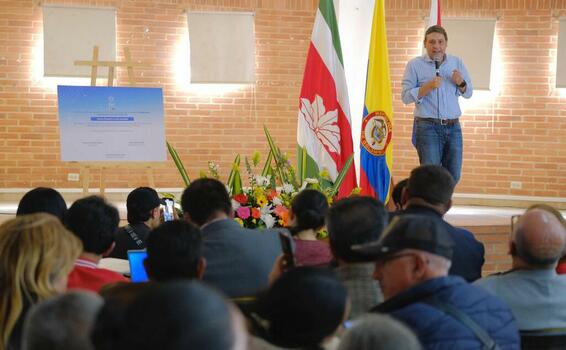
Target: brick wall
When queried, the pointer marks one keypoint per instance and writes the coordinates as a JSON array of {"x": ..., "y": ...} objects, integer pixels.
[{"x": 520, "y": 135}]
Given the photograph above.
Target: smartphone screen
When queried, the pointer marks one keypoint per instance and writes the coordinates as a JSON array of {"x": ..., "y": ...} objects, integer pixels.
[
  {"x": 137, "y": 270},
  {"x": 168, "y": 209},
  {"x": 287, "y": 248}
]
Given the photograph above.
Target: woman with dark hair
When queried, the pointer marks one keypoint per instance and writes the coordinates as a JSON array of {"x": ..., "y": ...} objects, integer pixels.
[
  {"x": 303, "y": 309},
  {"x": 43, "y": 200},
  {"x": 306, "y": 218}
]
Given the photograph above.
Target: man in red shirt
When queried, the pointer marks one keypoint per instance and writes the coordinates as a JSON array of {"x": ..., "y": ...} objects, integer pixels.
[{"x": 94, "y": 221}]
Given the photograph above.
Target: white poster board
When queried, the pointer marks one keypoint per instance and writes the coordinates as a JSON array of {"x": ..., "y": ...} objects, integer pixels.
[
  {"x": 111, "y": 124},
  {"x": 70, "y": 33},
  {"x": 222, "y": 47}
]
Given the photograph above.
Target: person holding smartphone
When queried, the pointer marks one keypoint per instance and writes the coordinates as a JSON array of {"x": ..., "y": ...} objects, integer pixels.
[{"x": 144, "y": 214}]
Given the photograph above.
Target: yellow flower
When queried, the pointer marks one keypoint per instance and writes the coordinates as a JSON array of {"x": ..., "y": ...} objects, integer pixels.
[
  {"x": 356, "y": 191},
  {"x": 239, "y": 221},
  {"x": 324, "y": 174},
  {"x": 261, "y": 201},
  {"x": 330, "y": 200},
  {"x": 202, "y": 175},
  {"x": 259, "y": 192}
]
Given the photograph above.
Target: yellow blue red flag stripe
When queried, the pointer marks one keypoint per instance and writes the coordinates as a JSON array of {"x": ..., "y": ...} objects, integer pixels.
[{"x": 376, "y": 152}]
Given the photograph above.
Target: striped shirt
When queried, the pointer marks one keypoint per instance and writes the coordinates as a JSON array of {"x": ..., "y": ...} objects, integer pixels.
[{"x": 419, "y": 71}]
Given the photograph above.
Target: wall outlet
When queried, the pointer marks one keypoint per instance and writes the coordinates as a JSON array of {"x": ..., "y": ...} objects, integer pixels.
[
  {"x": 516, "y": 185},
  {"x": 73, "y": 177}
]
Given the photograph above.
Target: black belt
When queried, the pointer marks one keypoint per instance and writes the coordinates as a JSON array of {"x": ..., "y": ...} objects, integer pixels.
[{"x": 438, "y": 121}]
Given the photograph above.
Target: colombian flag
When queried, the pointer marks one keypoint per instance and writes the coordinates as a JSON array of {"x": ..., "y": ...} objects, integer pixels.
[{"x": 377, "y": 125}]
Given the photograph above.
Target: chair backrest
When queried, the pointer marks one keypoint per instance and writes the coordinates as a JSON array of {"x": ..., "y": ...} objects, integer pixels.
[{"x": 544, "y": 339}]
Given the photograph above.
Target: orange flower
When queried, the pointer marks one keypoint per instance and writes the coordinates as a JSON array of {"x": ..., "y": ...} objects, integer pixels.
[
  {"x": 282, "y": 212},
  {"x": 256, "y": 213},
  {"x": 271, "y": 194}
]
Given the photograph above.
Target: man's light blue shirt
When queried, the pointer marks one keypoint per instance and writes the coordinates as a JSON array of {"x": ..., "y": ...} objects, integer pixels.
[
  {"x": 421, "y": 70},
  {"x": 537, "y": 298}
]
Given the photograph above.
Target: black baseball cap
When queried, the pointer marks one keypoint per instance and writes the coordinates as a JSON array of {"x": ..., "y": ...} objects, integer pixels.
[
  {"x": 410, "y": 232},
  {"x": 143, "y": 199}
]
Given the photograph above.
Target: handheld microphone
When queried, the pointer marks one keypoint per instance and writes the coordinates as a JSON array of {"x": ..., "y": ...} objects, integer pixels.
[
  {"x": 437, "y": 59},
  {"x": 437, "y": 65}
]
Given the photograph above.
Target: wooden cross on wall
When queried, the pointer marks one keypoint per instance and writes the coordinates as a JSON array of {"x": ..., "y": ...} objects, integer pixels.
[{"x": 95, "y": 63}]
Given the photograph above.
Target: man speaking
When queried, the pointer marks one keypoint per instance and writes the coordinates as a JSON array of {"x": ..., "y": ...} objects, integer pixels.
[{"x": 434, "y": 82}]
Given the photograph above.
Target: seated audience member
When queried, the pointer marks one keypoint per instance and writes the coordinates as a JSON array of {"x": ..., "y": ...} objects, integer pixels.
[
  {"x": 302, "y": 309},
  {"x": 532, "y": 289},
  {"x": 174, "y": 251},
  {"x": 306, "y": 218},
  {"x": 180, "y": 315},
  {"x": 351, "y": 221},
  {"x": 43, "y": 200},
  {"x": 63, "y": 322},
  {"x": 36, "y": 255},
  {"x": 144, "y": 214},
  {"x": 94, "y": 222},
  {"x": 429, "y": 193},
  {"x": 412, "y": 260},
  {"x": 397, "y": 194},
  {"x": 378, "y": 332},
  {"x": 238, "y": 260},
  {"x": 110, "y": 319},
  {"x": 561, "y": 267}
]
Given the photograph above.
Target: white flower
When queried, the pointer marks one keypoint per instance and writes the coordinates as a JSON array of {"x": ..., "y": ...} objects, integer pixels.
[
  {"x": 266, "y": 210},
  {"x": 268, "y": 220},
  {"x": 323, "y": 124},
  {"x": 288, "y": 188},
  {"x": 308, "y": 181},
  {"x": 262, "y": 180},
  {"x": 277, "y": 201},
  {"x": 235, "y": 204}
]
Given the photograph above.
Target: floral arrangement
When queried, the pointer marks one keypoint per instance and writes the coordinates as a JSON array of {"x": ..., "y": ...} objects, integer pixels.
[
  {"x": 262, "y": 205},
  {"x": 265, "y": 202}
]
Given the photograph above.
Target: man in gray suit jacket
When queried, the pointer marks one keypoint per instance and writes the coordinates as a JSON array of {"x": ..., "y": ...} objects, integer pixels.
[{"x": 238, "y": 260}]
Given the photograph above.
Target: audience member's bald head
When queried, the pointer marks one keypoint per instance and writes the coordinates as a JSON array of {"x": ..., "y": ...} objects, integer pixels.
[{"x": 539, "y": 239}]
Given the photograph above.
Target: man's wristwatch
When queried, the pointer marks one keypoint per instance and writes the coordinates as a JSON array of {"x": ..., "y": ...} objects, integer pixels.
[{"x": 462, "y": 84}]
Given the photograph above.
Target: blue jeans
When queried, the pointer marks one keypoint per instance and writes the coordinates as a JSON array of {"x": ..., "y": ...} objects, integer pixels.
[{"x": 440, "y": 145}]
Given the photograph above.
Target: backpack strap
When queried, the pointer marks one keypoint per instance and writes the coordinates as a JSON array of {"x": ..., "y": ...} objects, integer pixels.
[
  {"x": 488, "y": 342},
  {"x": 133, "y": 235}
]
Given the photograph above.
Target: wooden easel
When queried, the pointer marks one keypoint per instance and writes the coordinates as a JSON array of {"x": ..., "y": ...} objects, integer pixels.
[
  {"x": 85, "y": 167},
  {"x": 95, "y": 63}
]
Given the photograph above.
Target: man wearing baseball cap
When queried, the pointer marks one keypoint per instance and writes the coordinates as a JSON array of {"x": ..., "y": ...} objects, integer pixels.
[
  {"x": 144, "y": 214},
  {"x": 412, "y": 259}
]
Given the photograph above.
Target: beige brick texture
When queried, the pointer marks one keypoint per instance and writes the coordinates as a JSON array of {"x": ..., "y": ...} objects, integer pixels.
[{"x": 519, "y": 136}]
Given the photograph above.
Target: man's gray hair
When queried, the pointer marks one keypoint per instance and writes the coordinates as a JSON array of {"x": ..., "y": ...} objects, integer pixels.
[
  {"x": 63, "y": 322},
  {"x": 375, "y": 331}
]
